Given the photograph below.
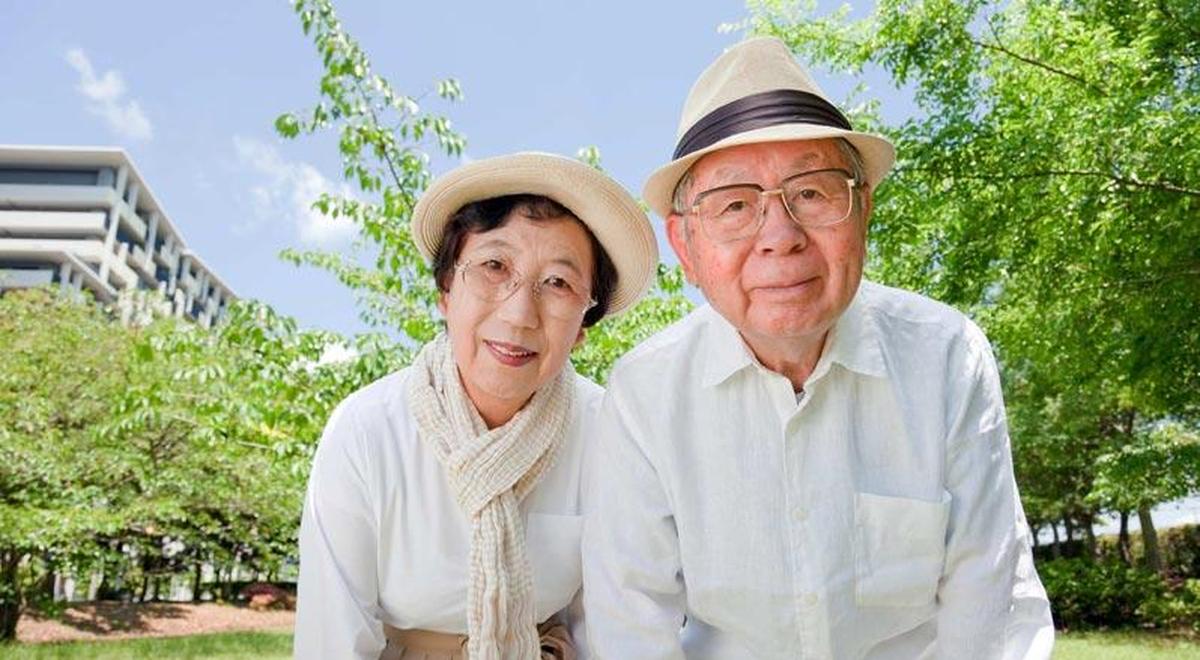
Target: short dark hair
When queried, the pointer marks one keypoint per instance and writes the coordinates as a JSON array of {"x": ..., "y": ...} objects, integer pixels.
[{"x": 488, "y": 214}]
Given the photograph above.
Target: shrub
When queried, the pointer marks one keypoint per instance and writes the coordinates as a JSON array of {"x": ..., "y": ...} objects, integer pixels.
[
  {"x": 1095, "y": 594},
  {"x": 1179, "y": 546},
  {"x": 1179, "y": 609}
]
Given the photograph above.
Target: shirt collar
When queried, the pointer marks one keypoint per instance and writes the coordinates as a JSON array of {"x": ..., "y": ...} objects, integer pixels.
[
  {"x": 726, "y": 353},
  {"x": 853, "y": 342}
]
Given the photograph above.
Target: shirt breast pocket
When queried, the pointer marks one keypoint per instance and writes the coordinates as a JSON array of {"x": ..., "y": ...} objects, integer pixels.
[
  {"x": 552, "y": 543},
  {"x": 900, "y": 547}
]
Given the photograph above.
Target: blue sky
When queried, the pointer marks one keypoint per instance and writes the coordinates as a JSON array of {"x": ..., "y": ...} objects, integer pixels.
[{"x": 191, "y": 91}]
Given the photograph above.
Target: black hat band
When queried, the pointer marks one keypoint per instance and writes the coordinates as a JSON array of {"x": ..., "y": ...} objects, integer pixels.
[{"x": 780, "y": 106}]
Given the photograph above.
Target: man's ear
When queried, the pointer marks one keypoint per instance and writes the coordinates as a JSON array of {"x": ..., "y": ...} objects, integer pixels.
[
  {"x": 677, "y": 236},
  {"x": 868, "y": 202},
  {"x": 580, "y": 338}
]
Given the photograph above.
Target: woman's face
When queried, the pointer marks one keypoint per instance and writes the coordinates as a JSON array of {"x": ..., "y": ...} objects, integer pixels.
[{"x": 506, "y": 350}]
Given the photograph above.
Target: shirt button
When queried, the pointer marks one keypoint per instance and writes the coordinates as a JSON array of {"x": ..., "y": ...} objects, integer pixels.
[
  {"x": 799, "y": 513},
  {"x": 810, "y": 599}
]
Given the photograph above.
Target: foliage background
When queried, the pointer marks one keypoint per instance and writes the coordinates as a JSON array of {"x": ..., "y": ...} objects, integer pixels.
[{"x": 1048, "y": 186}]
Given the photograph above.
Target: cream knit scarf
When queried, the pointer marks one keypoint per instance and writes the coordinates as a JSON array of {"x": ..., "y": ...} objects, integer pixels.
[{"x": 490, "y": 473}]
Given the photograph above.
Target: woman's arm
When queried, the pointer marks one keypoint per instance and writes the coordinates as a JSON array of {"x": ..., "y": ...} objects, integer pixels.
[{"x": 338, "y": 609}]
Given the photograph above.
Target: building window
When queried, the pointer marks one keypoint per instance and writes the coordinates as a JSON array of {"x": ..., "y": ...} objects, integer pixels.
[{"x": 23, "y": 175}]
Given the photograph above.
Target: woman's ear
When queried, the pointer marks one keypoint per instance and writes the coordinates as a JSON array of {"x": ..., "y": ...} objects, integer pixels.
[{"x": 441, "y": 302}]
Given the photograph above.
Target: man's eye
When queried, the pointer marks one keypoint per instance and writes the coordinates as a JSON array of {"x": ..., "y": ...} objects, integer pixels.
[{"x": 736, "y": 206}]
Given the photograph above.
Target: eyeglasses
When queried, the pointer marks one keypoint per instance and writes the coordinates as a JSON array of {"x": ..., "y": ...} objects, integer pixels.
[
  {"x": 495, "y": 280},
  {"x": 819, "y": 198}
]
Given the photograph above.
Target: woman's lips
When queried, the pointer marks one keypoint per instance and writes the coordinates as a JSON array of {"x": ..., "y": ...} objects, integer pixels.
[{"x": 510, "y": 355}]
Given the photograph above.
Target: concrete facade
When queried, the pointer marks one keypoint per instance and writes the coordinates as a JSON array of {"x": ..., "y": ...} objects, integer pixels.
[{"x": 84, "y": 218}]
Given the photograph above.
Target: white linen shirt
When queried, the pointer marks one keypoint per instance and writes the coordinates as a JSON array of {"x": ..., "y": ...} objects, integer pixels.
[
  {"x": 875, "y": 516},
  {"x": 382, "y": 539}
]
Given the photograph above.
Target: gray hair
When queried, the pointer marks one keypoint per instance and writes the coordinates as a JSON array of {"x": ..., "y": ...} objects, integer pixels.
[{"x": 849, "y": 153}]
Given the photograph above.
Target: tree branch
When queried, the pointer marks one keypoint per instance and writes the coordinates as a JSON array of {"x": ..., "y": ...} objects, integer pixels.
[
  {"x": 1041, "y": 65},
  {"x": 1162, "y": 7},
  {"x": 1165, "y": 186}
]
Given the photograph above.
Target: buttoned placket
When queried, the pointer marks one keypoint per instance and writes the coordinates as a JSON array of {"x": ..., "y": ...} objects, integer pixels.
[{"x": 808, "y": 599}]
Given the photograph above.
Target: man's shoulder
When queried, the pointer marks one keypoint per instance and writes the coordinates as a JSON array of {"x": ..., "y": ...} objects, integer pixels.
[
  {"x": 890, "y": 303},
  {"x": 890, "y": 308},
  {"x": 914, "y": 325},
  {"x": 587, "y": 393},
  {"x": 663, "y": 347}
]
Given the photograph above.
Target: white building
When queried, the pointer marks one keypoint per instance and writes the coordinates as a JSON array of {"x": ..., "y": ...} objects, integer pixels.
[{"x": 84, "y": 218}]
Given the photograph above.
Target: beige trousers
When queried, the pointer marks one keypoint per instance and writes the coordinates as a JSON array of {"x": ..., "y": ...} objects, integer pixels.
[{"x": 429, "y": 645}]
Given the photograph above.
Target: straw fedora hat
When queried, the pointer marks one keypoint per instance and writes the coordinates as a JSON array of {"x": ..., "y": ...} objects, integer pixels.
[
  {"x": 757, "y": 92},
  {"x": 602, "y": 204}
]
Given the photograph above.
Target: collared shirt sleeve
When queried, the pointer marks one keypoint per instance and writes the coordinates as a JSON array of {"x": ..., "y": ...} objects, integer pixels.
[
  {"x": 990, "y": 601},
  {"x": 338, "y": 613},
  {"x": 632, "y": 577}
]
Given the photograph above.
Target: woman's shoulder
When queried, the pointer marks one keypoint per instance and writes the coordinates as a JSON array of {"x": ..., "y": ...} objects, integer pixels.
[
  {"x": 374, "y": 408},
  {"x": 379, "y": 392}
]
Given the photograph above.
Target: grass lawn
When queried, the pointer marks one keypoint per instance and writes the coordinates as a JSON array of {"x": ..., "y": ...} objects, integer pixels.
[
  {"x": 1123, "y": 646},
  {"x": 270, "y": 646},
  {"x": 225, "y": 646}
]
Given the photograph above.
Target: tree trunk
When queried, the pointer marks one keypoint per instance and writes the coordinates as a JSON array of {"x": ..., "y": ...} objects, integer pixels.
[
  {"x": 10, "y": 594},
  {"x": 1149, "y": 540},
  {"x": 1123, "y": 545},
  {"x": 1070, "y": 528},
  {"x": 196, "y": 575},
  {"x": 1056, "y": 549},
  {"x": 47, "y": 586},
  {"x": 145, "y": 588},
  {"x": 1089, "y": 536},
  {"x": 1033, "y": 534}
]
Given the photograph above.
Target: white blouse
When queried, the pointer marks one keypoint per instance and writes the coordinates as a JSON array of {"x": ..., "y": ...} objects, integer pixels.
[{"x": 382, "y": 539}]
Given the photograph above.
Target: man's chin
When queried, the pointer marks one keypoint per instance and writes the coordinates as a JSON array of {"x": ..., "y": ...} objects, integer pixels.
[{"x": 783, "y": 327}]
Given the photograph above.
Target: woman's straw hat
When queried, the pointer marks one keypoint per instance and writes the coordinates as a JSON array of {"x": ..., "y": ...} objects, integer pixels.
[{"x": 602, "y": 204}]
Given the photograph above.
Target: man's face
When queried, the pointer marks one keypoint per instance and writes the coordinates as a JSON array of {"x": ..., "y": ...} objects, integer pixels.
[{"x": 784, "y": 282}]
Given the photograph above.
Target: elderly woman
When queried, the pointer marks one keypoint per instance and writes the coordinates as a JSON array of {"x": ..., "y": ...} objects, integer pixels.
[{"x": 443, "y": 511}]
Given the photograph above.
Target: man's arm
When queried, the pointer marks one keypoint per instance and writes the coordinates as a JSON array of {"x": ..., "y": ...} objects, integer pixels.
[
  {"x": 991, "y": 603},
  {"x": 633, "y": 584}
]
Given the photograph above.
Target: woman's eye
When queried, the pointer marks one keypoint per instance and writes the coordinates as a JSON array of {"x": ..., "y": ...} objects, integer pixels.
[
  {"x": 556, "y": 283},
  {"x": 494, "y": 265}
]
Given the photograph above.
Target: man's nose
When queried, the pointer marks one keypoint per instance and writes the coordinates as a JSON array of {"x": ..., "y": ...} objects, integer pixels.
[{"x": 779, "y": 233}]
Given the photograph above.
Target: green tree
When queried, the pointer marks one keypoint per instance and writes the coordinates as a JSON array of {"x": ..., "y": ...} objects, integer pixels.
[
  {"x": 217, "y": 429},
  {"x": 1158, "y": 465},
  {"x": 63, "y": 365},
  {"x": 1048, "y": 184},
  {"x": 383, "y": 138}
]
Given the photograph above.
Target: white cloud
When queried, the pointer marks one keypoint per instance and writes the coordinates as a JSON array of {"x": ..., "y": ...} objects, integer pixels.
[
  {"x": 286, "y": 190},
  {"x": 105, "y": 96}
]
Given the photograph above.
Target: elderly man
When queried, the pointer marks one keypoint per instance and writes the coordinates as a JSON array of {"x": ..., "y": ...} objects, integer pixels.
[{"x": 812, "y": 465}]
